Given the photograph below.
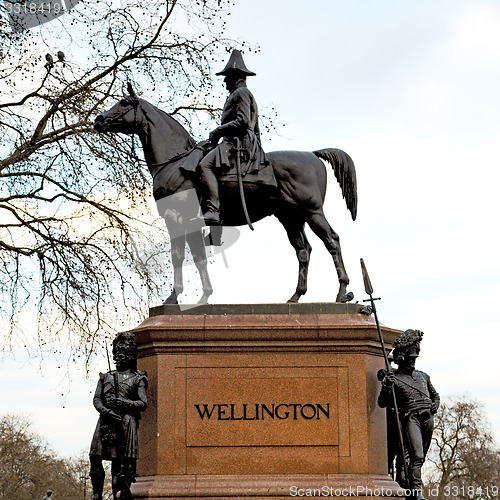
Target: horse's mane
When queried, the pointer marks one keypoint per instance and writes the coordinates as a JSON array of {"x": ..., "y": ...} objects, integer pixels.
[{"x": 172, "y": 122}]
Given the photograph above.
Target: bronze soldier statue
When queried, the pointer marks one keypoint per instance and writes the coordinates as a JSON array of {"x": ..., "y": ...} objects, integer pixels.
[
  {"x": 120, "y": 398},
  {"x": 239, "y": 123},
  {"x": 417, "y": 401}
]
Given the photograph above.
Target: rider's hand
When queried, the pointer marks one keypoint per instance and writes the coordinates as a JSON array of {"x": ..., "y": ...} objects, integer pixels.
[{"x": 214, "y": 136}]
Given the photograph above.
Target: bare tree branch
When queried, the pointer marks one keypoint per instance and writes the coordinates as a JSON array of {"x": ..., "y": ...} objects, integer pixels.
[{"x": 77, "y": 237}]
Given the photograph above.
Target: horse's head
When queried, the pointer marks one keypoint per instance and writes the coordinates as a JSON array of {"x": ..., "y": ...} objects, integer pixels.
[
  {"x": 161, "y": 136},
  {"x": 122, "y": 117}
]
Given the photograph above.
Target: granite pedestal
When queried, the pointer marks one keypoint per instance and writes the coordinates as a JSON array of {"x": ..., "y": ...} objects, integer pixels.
[{"x": 262, "y": 401}]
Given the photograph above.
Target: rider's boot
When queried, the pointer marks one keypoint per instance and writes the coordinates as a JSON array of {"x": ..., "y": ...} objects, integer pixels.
[
  {"x": 211, "y": 215},
  {"x": 211, "y": 212},
  {"x": 214, "y": 237}
]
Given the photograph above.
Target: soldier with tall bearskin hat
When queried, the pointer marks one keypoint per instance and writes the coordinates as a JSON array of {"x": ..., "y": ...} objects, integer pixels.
[{"x": 417, "y": 401}]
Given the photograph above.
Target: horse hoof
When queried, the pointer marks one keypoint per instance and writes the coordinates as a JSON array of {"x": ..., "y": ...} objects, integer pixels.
[
  {"x": 172, "y": 299},
  {"x": 347, "y": 297},
  {"x": 342, "y": 293},
  {"x": 203, "y": 300},
  {"x": 294, "y": 299}
]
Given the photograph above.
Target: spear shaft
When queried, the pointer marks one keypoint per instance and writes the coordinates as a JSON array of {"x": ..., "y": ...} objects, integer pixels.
[
  {"x": 115, "y": 374},
  {"x": 369, "y": 291},
  {"x": 107, "y": 356}
]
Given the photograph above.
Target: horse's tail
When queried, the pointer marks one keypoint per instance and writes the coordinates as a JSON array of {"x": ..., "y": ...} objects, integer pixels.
[{"x": 345, "y": 172}]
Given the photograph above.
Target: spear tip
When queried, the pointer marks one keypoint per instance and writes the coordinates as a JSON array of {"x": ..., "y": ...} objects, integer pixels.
[{"x": 366, "y": 279}]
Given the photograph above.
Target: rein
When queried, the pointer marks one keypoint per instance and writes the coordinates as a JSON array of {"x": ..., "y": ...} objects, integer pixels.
[
  {"x": 164, "y": 164},
  {"x": 175, "y": 158},
  {"x": 132, "y": 146},
  {"x": 124, "y": 112}
]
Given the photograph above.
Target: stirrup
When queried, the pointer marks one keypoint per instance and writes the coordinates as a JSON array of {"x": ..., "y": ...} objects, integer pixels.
[{"x": 212, "y": 218}]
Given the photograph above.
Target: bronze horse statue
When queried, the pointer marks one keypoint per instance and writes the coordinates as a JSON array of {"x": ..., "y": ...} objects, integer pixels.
[{"x": 298, "y": 198}]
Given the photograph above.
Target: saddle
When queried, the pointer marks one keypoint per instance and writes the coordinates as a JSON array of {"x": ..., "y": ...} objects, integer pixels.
[
  {"x": 263, "y": 176},
  {"x": 250, "y": 173}
]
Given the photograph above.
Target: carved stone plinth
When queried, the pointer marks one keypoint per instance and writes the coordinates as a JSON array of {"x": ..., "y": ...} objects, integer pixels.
[{"x": 262, "y": 401}]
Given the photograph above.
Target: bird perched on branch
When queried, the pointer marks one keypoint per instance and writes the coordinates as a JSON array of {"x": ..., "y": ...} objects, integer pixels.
[{"x": 50, "y": 61}]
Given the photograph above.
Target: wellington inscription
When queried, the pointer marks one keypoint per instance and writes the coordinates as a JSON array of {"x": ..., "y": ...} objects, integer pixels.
[
  {"x": 261, "y": 411},
  {"x": 246, "y": 408}
]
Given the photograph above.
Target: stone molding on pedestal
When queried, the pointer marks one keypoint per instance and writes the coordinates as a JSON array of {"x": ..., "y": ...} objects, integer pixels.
[{"x": 273, "y": 486}]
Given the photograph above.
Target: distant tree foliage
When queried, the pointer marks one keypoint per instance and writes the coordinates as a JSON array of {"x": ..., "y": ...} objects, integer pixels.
[
  {"x": 74, "y": 204},
  {"x": 464, "y": 459},
  {"x": 28, "y": 468}
]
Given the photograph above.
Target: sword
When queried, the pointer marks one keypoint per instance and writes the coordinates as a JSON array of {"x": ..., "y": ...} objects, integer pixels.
[
  {"x": 240, "y": 183},
  {"x": 369, "y": 291}
]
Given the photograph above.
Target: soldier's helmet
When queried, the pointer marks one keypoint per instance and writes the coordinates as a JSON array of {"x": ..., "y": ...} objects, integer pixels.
[
  {"x": 407, "y": 344},
  {"x": 236, "y": 65}
]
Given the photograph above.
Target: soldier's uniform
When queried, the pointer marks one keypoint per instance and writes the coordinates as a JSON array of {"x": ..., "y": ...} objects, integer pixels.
[
  {"x": 120, "y": 397},
  {"x": 417, "y": 401},
  {"x": 131, "y": 387}
]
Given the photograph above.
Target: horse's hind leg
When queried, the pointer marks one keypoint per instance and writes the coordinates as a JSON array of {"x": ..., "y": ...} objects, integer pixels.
[
  {"x": 298, "y": 240},
  {"x": 197, "y": 246},
  {"x": 318, "y": 223}
]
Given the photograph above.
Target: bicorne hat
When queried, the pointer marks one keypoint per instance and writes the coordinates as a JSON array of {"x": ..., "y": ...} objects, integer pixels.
[{"x": 236, "y": 64}]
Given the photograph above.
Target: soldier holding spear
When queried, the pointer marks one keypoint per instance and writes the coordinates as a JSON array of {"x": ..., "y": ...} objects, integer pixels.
[
  {"x": 120, "y": 398},
  {"x": 412, "y": 397},
  {"x": 418, "y": 402}
]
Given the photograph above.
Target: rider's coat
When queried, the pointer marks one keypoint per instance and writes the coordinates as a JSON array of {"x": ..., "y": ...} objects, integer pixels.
[{"x": 240, "y": 119}]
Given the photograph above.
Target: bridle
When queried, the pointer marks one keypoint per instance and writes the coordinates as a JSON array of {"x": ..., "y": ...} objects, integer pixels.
[
  {"x": 129, "y": 103},
  {"x": 134, "y": 103}
]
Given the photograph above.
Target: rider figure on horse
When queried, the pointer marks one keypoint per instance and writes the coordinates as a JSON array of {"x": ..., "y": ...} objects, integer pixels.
[{"x": 239, "y": 126}]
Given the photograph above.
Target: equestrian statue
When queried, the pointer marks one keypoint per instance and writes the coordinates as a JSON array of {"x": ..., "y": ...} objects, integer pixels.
[{"x": 233, "y": 182}]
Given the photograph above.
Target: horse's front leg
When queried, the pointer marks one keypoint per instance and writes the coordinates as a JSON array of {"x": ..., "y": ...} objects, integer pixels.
[
  {"x": 178, "y": 246},
  {"x": 177, "y": 252},
  {"x": 197, "y": 245}
]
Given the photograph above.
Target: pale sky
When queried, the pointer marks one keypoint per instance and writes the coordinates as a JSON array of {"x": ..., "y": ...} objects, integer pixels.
[{"x": 409, "y": 91}]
